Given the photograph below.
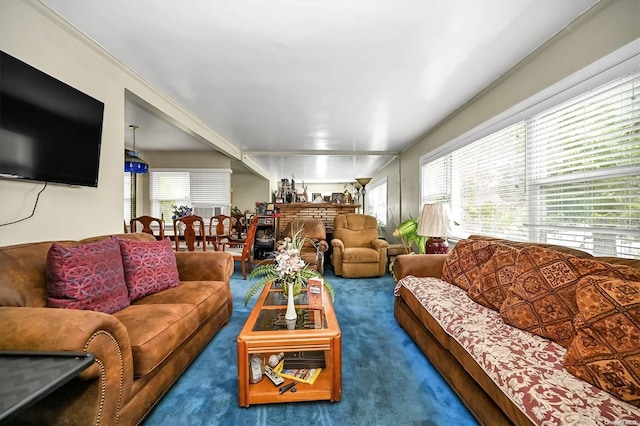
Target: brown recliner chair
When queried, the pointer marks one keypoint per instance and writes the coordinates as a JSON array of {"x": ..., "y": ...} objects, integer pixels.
[
  {"x": 357, "y": 251},
  {"x": 315, "y": 245}
]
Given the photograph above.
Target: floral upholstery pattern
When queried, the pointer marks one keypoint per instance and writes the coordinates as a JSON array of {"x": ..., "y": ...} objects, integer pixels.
[
  {"x": 88, "y": 276},
  {"x": 542, "y": 299},
  {"x": 492, "y": 284},
  {"x": 149, "y": 266},
  {"x": 606, "y": 350},
  {"x": 527, "y": 368},
  {"x": 466, "y": 260}
]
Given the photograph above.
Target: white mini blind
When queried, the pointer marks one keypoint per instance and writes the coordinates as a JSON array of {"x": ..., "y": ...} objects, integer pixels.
[
  {"x": 207, "y": 192},
  {"x": 376, "y": 199},
  {"x": 127, "y": 198},
  {"x": 436, "y": 181},
  {"x": 585, "y": 171},
  {"x": 569, "y": 175},
  {"x": 488, "y": 185}
]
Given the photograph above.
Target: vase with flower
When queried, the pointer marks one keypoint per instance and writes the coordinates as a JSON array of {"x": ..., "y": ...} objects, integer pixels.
[
  {"x": 181, "y": 211},
  {"x": 290, "y": 270}
]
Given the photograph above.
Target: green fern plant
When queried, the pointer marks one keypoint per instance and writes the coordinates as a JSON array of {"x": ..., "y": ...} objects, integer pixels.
[{"x": 290, "y": 252}]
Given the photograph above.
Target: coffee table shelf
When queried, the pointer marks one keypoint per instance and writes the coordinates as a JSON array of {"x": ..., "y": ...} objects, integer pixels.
[{"x": 324, "y": 336}]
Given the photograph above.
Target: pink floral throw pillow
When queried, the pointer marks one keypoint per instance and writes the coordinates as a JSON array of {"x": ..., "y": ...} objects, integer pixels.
[
  {"x": 149, "y": 267},
  {"x": 88, "y": 276}
]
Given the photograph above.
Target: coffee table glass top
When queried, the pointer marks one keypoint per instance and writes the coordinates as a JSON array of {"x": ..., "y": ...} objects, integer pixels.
[
  {"x": 277, "y": 298},
  {"x": 273, "y": 319}
]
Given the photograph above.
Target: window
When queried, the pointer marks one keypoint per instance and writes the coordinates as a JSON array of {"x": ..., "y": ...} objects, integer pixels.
[
  {"x": 127, "y": 198},
  {"x": 206, "y": 191},
  {"x": 376, "y": 199},
  {"x": 568, "y": 175}
]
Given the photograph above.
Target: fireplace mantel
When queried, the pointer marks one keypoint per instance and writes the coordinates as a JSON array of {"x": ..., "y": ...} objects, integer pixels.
[{"x": 325, "y": 211}]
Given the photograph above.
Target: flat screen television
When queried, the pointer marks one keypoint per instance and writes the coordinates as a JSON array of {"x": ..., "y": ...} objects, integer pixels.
[{"x": 49, "y": 131}]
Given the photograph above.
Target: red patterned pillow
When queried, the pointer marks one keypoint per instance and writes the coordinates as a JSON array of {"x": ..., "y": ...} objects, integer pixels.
[
  {"x": 606, "y": 350},
  {"x": 542, "y": 299},
  {"x": 88, "y": 276},
  {"x": 496, "y": 277},
  {"x": 149, "y": 267},
  {"x": 465, "y": 261}
]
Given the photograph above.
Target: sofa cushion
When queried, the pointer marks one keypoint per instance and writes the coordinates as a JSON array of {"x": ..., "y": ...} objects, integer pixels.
[
  {"x": 155, "y": 331},
  {"x": 606, "y": 350},
  {"x": 526, "y": 368},
  {"x": 87, "y": 276},
  {"x": 206, "y": 296},
  {"x": 466, "y": 260},
  {"x": 360, "y": 255},
  {"x": 149, "y": 266},
  {"x": 542, "y": 299},
  {"x": 492, "y": 284}
]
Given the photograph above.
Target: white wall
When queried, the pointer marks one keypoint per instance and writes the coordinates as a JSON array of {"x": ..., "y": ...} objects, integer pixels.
[
  {"x": 247, "y": 189},
  {"x": 31, "y": 33}
]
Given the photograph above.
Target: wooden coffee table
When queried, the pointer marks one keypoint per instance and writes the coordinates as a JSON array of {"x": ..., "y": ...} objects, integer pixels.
[{"x": 266, "y": 333}]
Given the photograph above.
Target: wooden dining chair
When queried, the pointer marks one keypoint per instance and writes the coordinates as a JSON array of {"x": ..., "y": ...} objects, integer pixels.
[
  {"x": 242, "y": 251},
  {"x": 146, "y": 222},
  {"x": 194, "y": 229},
  {"x": 220, "y": 228}
]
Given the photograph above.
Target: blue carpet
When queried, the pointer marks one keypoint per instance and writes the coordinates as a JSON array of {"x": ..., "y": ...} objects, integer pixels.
[{"x": 386, "y": 378}]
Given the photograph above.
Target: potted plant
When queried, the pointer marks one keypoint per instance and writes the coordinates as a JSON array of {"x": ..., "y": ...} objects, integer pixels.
[
  {"x": 288, "y": 267},
  {"x": 407, "y": 231}
]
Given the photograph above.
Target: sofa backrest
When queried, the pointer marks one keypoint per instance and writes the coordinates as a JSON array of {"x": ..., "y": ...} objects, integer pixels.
[
  {"x": 634, "y": 263},
  {"x": 23, "y": 276},
  {"x": 355, "y": 230}
]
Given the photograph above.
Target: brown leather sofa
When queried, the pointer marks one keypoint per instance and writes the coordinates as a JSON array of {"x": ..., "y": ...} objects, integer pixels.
[
  {"x": 315, "y": 244},
  {"x": 357, "y": 250},
  {"x": 485, "y": 400},
  {"x": 140, "y": 350}
]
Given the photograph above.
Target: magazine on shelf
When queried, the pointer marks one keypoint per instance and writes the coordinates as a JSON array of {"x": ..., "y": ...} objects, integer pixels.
[{"x": 303, "y": 375}]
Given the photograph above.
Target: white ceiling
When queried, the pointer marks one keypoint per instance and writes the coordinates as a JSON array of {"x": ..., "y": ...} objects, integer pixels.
[{"x": 318, "y": 89}]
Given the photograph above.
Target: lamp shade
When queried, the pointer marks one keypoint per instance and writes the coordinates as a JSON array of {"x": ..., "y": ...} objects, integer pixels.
[
  {"x": 435, "y": 221},
  {"x": 133, "y": 163},
  {"x": 363, "y": 181}
]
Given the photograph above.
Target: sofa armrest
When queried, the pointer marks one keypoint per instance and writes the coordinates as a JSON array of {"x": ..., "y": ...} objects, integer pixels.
[
  {"x": 53, "y": 329},
  {"x": 418, "y": 265},
  {"x": 108, "y": 381},
  {"x": 205, "y": 266}
]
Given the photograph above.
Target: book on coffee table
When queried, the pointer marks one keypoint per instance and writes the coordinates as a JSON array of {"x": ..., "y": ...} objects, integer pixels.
[{"x": 304, "y": 375}]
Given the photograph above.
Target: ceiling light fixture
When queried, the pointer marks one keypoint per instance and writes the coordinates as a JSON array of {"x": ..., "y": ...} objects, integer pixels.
[{"x": 132, "y": 161}]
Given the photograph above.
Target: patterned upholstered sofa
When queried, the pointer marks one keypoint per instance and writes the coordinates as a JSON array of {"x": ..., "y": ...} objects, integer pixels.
[
  {"x": 528, "y": 333},
  {"x": 144, "y": 312}
]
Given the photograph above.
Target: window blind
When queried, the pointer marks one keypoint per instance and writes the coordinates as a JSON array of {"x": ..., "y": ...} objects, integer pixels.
[
  {"x": 207, "y": 192},
  {"x": 127, "y": 198},
  {"x": 568, "y": 175},
  {"x": 377, "y": 201},
  {"x": 585, "y": 171},
  {"x": 488, "y": 185}
]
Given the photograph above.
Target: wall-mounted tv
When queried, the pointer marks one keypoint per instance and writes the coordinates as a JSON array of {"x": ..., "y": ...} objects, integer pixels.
[{"x": 49, "y": 131}]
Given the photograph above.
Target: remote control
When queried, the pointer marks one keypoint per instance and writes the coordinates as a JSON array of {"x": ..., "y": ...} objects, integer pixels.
[{"x": 273, "y": 376}]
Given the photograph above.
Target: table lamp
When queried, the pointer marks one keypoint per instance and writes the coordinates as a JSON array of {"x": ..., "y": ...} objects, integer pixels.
[{"x": 435, "y": 223}]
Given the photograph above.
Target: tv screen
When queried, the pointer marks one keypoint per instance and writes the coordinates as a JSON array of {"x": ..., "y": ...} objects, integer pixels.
[{"x": 49, "y": 131}]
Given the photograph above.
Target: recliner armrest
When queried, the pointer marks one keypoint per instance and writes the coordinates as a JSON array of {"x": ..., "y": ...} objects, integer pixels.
[{"x": 378, "y": 244}]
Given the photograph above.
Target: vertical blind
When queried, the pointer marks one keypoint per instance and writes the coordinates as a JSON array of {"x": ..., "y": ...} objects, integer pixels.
[{"x": 569, "y": 175}]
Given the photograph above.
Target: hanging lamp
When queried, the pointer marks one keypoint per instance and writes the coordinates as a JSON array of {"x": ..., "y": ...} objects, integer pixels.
[{"x": 132, "y": 161}]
